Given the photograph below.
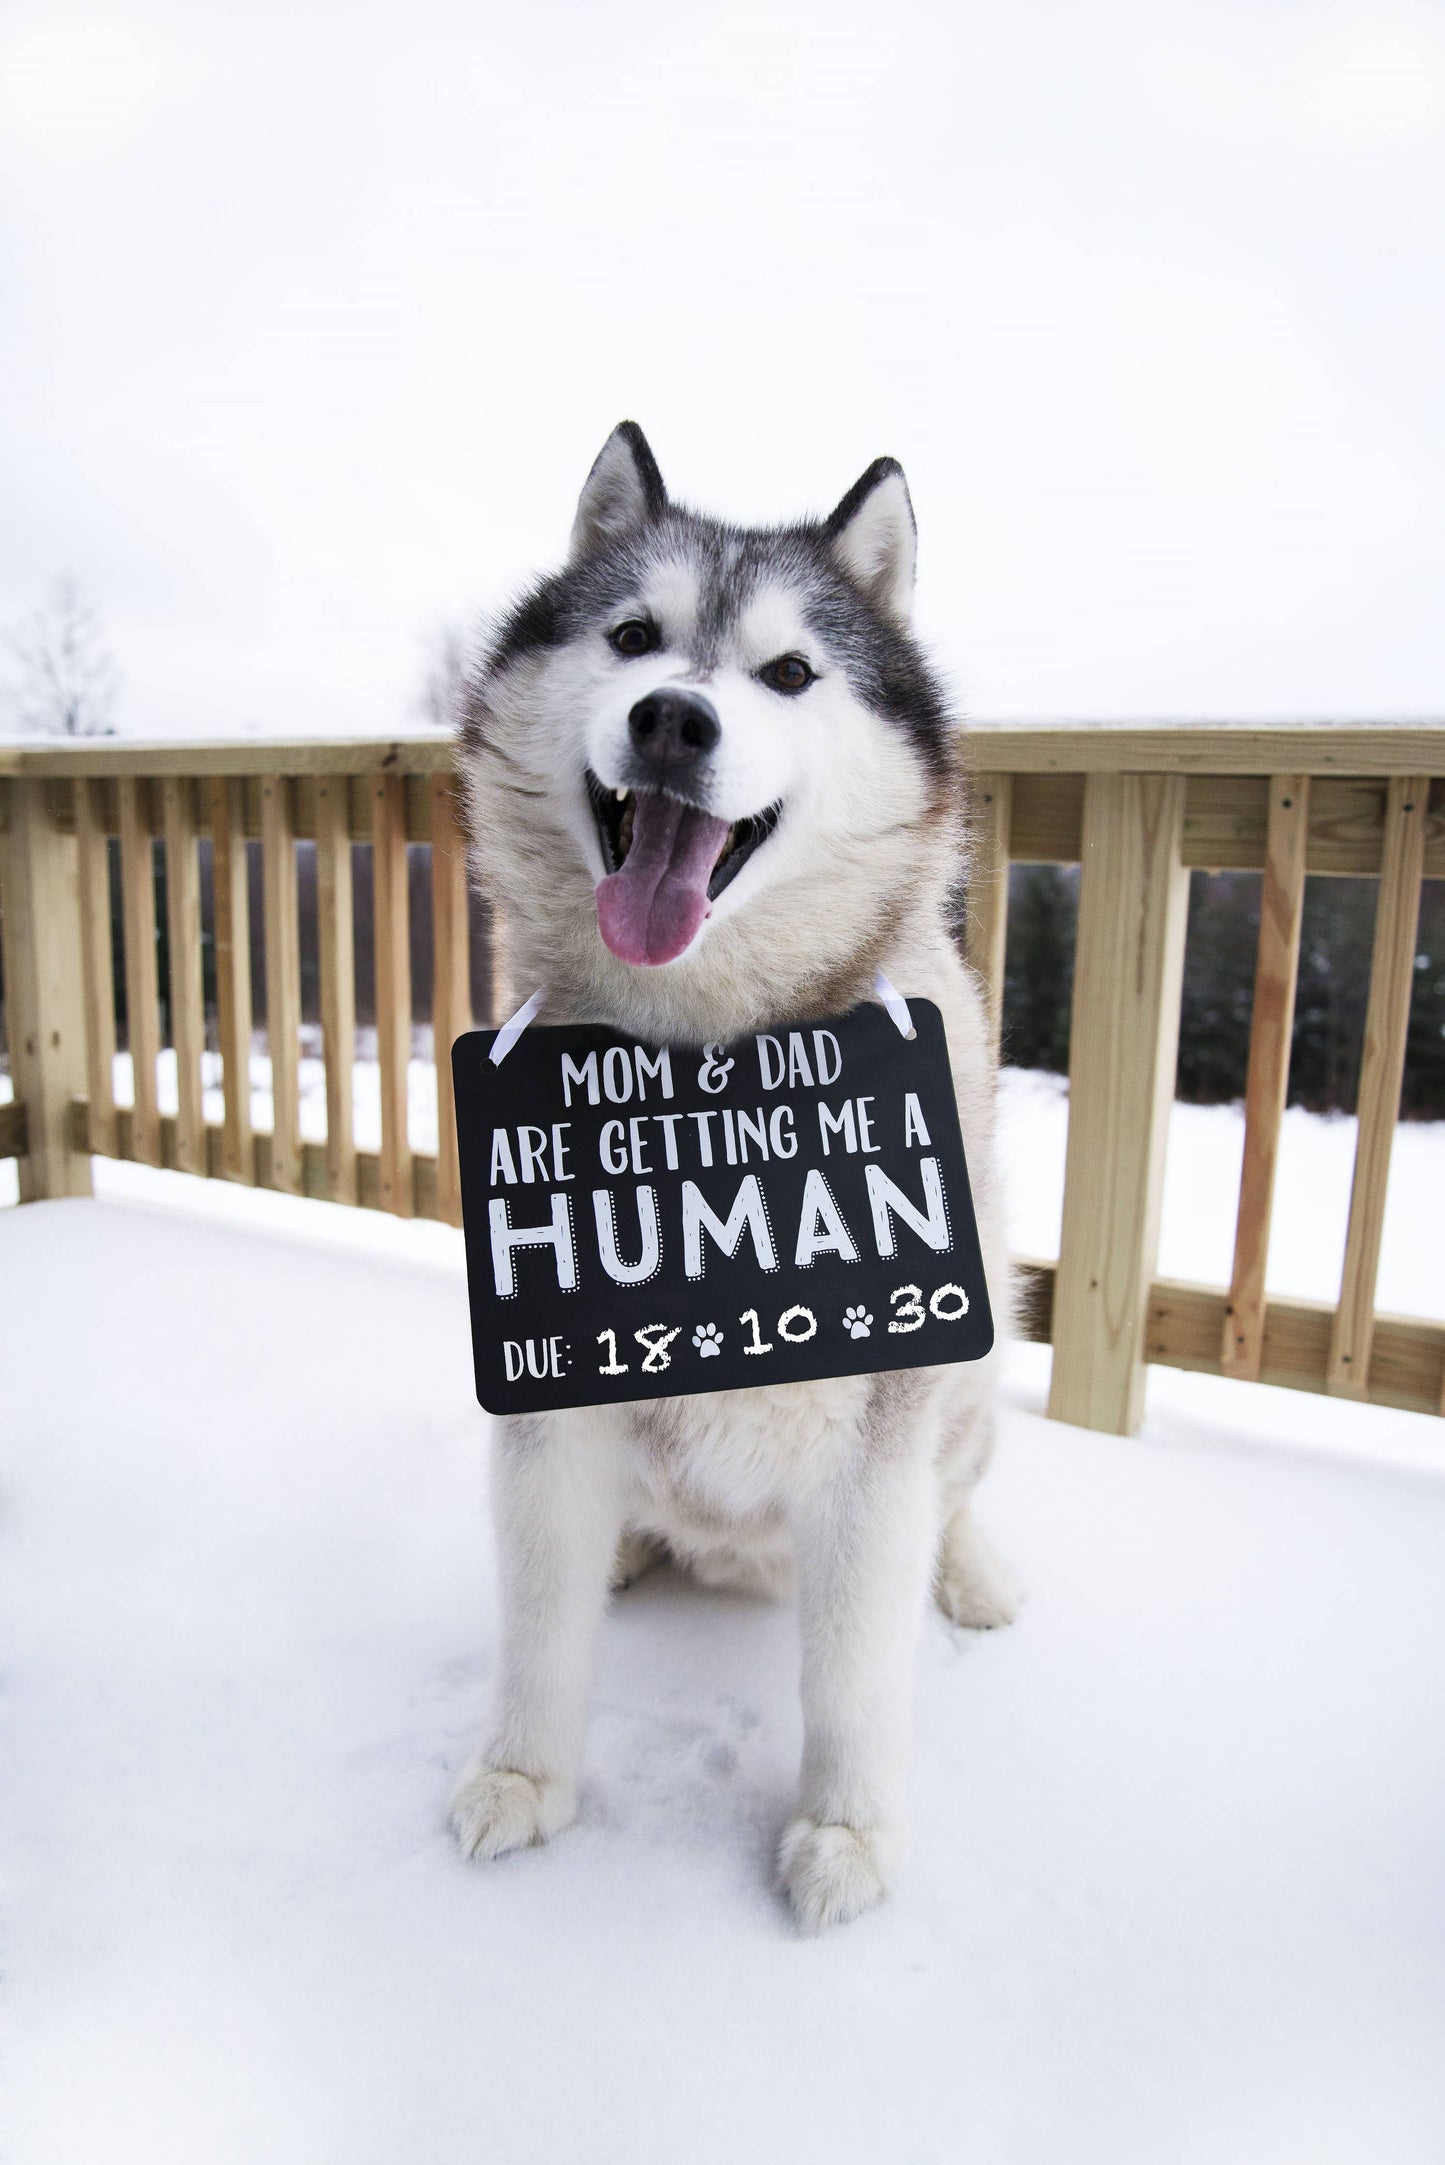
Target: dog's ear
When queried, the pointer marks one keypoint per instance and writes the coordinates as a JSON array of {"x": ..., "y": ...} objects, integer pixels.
[
  {"x": 623, "y": 491},
  {"x": 874, "y": 538}
]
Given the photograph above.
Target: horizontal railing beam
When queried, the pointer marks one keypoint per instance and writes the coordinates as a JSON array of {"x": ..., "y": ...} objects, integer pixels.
[
  {"x": 1185, "y": 1326},
  {"x": 1209, "y": 748},
  {"x": 423, "y": 754},
  {"x": 14, "y": 1138},
  {"x": 306, "y": 792},
  {"x": 1226, "y": 822}
]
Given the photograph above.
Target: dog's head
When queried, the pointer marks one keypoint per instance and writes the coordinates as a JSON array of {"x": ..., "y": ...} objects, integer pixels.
[{"x": 697, "y": 746}]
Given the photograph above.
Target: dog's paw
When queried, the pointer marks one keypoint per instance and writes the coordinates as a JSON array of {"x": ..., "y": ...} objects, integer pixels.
[
  {"x": 974, "y": 1585},
  {"x": 831, "y": 1873},
  {"x": 496, "y": 1809}
]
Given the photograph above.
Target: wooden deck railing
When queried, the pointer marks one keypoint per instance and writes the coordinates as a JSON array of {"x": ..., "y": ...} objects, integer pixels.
[
  {"x": 1136, "y": 809},
  {"x": 58, "y": 807}
]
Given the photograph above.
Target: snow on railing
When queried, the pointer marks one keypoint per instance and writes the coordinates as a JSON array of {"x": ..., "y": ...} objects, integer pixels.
[{"x": 1137, "y": 809}]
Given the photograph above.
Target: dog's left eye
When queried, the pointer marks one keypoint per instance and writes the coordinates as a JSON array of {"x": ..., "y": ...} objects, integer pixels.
[
  {"x": 789, "y": 673},
  {"x": 636, "y": 636}
]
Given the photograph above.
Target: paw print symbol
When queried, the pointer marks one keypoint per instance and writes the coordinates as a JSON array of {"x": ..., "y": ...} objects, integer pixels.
[
  {"x": 857, "y": 1322},
  {"x": 708, "y": 1339}
]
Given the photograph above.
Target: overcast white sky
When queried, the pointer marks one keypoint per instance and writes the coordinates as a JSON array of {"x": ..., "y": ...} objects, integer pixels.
[{"x": 314, "y": 317}]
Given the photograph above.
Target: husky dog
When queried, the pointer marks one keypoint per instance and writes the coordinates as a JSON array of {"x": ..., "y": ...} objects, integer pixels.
[{"x": 715, "y": 787}]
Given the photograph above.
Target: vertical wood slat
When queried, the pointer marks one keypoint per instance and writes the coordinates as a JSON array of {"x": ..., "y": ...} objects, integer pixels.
[
  {"x": 183, "y": 929},
  {"x": 98, "y": 966},
  {"x": 44, "y": 991},
  {"x": 283, "y": 978},
  {"x": 337, "y": 940},
  {"x": 393, "y": 988},
  {"x": 1281, "y": 915},
  {"x": 987, "y": 904},
  {"x": 1133, "y": 900},
  {"x": 233, "y": 976},
  {"x": 1382, "y": 1069},
  {"x": 142, "y": 988},
  {"x": 451, "y": 998}
]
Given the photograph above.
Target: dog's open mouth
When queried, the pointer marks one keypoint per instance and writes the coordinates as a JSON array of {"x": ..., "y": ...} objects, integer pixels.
[{"x": 667, "y": 863}]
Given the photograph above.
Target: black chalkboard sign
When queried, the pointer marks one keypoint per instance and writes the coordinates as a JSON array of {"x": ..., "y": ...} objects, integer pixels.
[{"x": 647, "y": 1221}]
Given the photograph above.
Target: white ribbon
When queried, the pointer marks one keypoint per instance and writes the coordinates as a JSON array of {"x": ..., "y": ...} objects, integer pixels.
[
  {"x": 511, "y": 1030},
  {"x": 895, "y": 1003}
]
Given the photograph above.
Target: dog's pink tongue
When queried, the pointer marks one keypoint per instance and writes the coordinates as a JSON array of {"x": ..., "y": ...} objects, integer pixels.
[{"x": 649, "y": 912}]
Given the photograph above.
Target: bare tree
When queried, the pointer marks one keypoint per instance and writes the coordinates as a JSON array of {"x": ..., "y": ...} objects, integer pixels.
[
  {"x": 440, "y": 700},
  {"x": 66, "y": 684}
]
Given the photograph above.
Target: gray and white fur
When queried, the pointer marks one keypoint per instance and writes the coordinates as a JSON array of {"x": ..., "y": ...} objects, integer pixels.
[{"x": 844, "y": 799}]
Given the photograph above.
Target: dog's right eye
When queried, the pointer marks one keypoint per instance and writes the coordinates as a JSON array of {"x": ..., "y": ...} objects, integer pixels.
[{"x": 634, "y": 637}]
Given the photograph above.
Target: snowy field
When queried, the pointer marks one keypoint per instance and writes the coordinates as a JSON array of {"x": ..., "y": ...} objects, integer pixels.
[{"x": 1177, "y": 1890}]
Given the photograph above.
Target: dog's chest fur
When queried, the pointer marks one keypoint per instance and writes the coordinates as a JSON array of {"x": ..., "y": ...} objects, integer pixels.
[
  {"x": 713, "y": 1476},
  {"x": 739, "y": 1453}
]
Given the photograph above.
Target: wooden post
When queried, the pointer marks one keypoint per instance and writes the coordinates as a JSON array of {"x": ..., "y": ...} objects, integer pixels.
[
  {"x": 233, "y": 977},
  {"x": 451, "y": 996},
  {"x": 1133, "y": 901},
  {"x": 1281, "y": 914},
  {"x": 44, "y": 991},
  {"x": 98, "y": 964},
  {"x": 142, "y": 987},
  {"x": 283, "y": 979},
  {"x": 337, "y": 939},
  {"x": 183, "y": 928},
  {"x": 393, "y": 988},
  {"x": 987, "y": 894},
  {"x": 1382, "y": 1069}
]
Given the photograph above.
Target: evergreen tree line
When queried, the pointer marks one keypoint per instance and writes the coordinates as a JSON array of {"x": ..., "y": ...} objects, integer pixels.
[{"x": 1219, "y": 955}]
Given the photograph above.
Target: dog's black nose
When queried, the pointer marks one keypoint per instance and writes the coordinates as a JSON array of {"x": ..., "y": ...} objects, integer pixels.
[{"x": 673, "y": 729}]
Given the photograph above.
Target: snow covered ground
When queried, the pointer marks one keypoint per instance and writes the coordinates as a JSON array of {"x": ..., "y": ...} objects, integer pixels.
[{"x": 1177, "y": 1889}]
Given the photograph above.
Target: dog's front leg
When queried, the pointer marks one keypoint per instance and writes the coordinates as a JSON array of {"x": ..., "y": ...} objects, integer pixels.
[
  {"x": 557, "y": 1497},
  {"x": 864, "y": 1540}
]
